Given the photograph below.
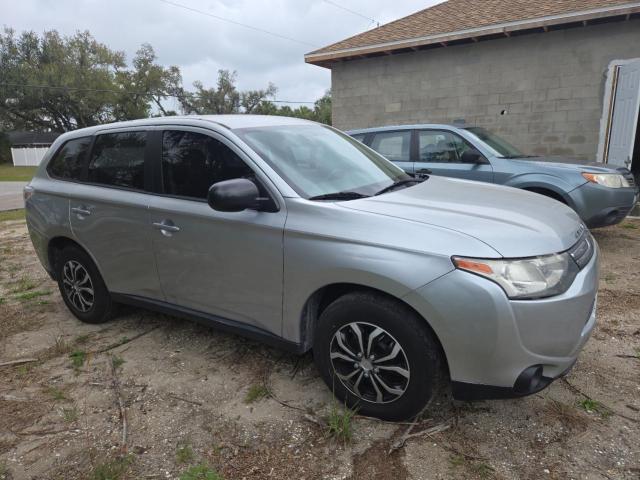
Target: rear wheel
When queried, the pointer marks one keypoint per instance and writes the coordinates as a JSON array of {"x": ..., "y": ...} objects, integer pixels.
[
  {"x": 82, "y": 287},
  {"x": 378, "y": 356}
]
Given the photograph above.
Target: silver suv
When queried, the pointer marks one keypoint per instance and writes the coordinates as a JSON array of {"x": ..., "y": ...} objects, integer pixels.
[{"x": 296, "y": 234}]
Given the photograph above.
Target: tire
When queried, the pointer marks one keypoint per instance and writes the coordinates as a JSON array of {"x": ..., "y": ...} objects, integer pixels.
[
  {"x": 71, "y": 266},
  {"x": 419, "y": 356}
]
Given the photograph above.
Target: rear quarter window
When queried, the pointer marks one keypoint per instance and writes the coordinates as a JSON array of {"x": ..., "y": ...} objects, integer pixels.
[{"x": 70, "y": 160}]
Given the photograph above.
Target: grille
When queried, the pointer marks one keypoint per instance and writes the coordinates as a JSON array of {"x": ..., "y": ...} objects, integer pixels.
[{"x": 583, "y": 250}]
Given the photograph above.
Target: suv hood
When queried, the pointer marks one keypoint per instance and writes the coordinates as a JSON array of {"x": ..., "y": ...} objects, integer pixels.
[
  {"x": 513, "y": 222},
  {"x": 572, "y": 164}
]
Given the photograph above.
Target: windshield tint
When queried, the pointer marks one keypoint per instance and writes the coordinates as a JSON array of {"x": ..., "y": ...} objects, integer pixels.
[
  {"x": 500, "y": 145},
  {"x": 318, "y": 160}
]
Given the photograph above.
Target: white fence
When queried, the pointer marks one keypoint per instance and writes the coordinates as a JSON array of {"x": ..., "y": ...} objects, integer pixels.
[{"x": 28, "y": 156}]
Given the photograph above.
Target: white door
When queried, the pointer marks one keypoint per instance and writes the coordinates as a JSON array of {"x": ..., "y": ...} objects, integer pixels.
[{"x": 625, "y": 115}]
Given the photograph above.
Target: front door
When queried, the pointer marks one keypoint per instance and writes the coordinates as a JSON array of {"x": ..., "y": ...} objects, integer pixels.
[
  {"x": 395, "y": 146},
  {"x": 440, "y": 151},
  {"x": 225, "y": 264},
  {"x": 110, "y": 217},
  {"x": 625, "y": 115}
]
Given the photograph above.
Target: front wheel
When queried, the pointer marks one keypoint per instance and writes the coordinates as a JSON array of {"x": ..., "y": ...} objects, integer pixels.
[{"x": 378, "y": 356}]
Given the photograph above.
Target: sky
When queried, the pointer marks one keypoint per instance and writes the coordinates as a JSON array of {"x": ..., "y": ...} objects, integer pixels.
[{"x": 200, "y": 44}]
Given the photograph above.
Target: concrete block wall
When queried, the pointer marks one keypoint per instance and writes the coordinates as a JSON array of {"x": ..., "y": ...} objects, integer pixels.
[{"x": 543, "y": 92}]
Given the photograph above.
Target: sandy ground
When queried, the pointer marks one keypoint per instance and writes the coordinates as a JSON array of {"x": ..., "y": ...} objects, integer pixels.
[{"x": 185, "y": 393}]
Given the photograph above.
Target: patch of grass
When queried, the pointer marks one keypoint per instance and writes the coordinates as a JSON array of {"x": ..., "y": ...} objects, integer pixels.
[
  {"x": 26, "y": 296},
  {"x": 340, "y": 423},
  {"x": 117, "y": 361},
  {"x": 112, "y": 469},
  {"x": 70, "y": 415},
  {"x": 2, "y": 300},
  {"x": 483, "y": 470},
  {"x": 56, "y": 393},
  {"x": 456, "y": 460},
  {"x": 566, "y": 414},
  {"x": 184, "y": 454},
  {"x": 9, "y": 173},
  {"x": 630, "y": 226},
  {"x": 77, "y": 359},
  {"x": 255, "y": 393},
  {"x": 593, "y": 406},
  {"x": 23, "y": 285},
  {"x": 81, "y": 339},
  {"x": 8, "y": 215},
  {"x": 200, "y": 472}
]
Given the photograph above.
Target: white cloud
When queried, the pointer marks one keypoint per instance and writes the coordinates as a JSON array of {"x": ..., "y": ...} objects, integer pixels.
[{"x": 200, "y": 45}]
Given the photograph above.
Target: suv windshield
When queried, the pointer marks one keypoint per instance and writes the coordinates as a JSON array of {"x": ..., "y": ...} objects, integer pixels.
[
  {"x": 318, "y": 161},
  {"x": 500, "y": 145}
]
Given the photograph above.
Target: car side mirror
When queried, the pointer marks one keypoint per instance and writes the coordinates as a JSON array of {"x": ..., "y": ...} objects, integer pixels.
[
  {"x": 473, "y": 156},
  {"x": 233, "y": 195}
]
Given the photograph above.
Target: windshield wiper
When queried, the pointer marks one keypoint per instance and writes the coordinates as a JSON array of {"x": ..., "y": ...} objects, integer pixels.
[
  {"x": 339, "y": 196},
  {"x": 399, "y": 183}
]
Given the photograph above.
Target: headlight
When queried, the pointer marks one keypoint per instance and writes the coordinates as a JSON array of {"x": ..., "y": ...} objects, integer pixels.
[
  {"x": 611, "y": 180},
  {"x": 525, "y": 278}
]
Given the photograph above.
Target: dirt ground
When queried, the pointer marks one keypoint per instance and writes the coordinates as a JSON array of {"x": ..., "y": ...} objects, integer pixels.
[{"x": 197, "y": 400}]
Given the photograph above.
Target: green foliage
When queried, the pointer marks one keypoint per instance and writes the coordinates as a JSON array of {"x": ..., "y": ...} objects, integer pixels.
[
  {"x": 117, "y": 362},
  {"x": 321, "y": 110},
  {"x": 255, "y": 393},
  {"x": 32, "y": 294},
  {"x": 5, "y": 148},
  {"x": 112, "y": 470},
  {"x": 339, "y": 423},
  {"x": 77, "y": 359},
  {"x": 56, "y": 393},
  {"x": 23, "y": 285},
  {"x": 70, "y": 415},
  {"x": 200, "y": 472},
  {"x": 95, "y": 79},
  {"x": 184, "y": 453},
  {"x": 593, "y": 406},
  {"x": 629, "y": 226}
]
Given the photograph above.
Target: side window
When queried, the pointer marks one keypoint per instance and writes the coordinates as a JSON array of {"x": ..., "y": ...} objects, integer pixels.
[
  {"x": 69, "y": 162},
  {"x": 441, "y": 147},
  {"x": 396, "y": 146},
  {"x": 192, "y": 162},
  {"x": 117, "y": 159},
  {"x": 359, "y": 137}
]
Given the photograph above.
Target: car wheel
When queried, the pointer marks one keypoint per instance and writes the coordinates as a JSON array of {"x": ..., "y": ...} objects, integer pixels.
[
  {"x": 378, "y": 356},
  {"x": 82, "y": 287}
]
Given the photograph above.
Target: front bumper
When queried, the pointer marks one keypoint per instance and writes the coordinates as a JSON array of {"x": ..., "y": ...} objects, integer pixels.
[
  {"x": 496, "y": 347},
  {"x": 600, "y": 206}
]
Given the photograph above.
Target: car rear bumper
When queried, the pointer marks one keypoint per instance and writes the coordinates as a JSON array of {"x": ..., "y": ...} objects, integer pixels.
[
  {"x": 601, "y": 206},
  {"x": 498, "y": 348}
]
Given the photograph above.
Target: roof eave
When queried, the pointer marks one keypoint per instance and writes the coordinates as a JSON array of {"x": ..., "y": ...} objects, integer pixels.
[{"x": 325, "y": 59}]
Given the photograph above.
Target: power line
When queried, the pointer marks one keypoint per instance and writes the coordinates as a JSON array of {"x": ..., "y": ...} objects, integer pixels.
[
  {"x": 372, "y": 20},
  {"x": 126, "y": 92},
  {"x": 228, "y": 20}
]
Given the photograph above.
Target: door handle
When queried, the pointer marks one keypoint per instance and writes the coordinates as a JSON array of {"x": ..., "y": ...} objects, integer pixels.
[
  {"x": 81, "y": 212},
  {"x": 166, "y": 228}
]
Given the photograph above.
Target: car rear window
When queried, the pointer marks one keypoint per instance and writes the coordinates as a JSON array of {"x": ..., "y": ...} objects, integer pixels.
[
  {"x": 69, "y": 162},
  {"x": 117, "y": 160}
]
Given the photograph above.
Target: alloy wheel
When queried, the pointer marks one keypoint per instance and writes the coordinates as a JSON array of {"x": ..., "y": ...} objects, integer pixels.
[
  {"x": 369, "y": 362},
  {"x": 78, "y": 286}
]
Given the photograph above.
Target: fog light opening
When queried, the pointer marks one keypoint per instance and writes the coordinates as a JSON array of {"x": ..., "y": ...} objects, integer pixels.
[{"x": 530, "y": 380}]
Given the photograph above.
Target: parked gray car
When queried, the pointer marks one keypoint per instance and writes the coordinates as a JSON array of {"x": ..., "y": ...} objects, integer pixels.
[
  {"x": 294, "y": 233},
  {"x": 601, "y": 195}
]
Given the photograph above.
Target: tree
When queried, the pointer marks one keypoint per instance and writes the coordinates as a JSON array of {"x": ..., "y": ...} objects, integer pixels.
[
  {"x": 61, "y": 83},
  {"x": 321, "y": 110},
  {"x": 225, "y": 97}
]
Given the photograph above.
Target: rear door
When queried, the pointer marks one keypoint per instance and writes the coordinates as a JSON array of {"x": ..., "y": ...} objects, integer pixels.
[
  {"x": 440, "y": 151},
  {"x": 109, "y": 213},
  {"x": 220, "y": 263},
  {"x": 395, "y": 146}
]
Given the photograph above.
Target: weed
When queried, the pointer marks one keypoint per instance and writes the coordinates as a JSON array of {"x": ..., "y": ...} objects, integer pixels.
[
  {"x": 56, "y": 393},
  {"x": 200, "y": 472},
  {"x": 593, "y": 406},
  {"x": 77, "y": 359},
  {"x": 61, "y": 347},
  {"x": 255, "y": 393},
  {"x": 23, "y": 285},
  {"x": 32, "y": 294},
  {"x": 630, "y": 226},
  {"x": 483, "y": 470},
  {"x": 566, "y": 414},
  {"x": 184, "y": 453},
  {"x": 82, "y": 339},
  {"x": 339, "y": 423},
  {"x": 456, "y": 460},
  {"x": 117, "y": 362},
  {"x": 70, "y": 414},
  {"x": 637, "y": 350},
  {"x": 2, "y": 300},
  {"x": 112, "y": 470}
]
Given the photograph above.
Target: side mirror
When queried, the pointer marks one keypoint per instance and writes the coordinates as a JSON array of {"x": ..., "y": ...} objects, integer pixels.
[
  {"x": 473, "y": 156},
  {"x": 233, "y": 195}
]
